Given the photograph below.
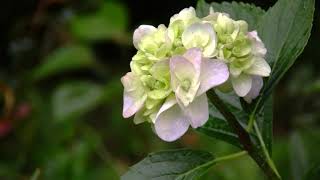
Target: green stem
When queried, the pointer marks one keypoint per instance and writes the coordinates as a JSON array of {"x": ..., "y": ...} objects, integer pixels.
[
  {"x": 252, "y": 117},
  {"x": 35, "y": 175},
  {"x": 243, "y": 136},
  {"x": 250, "y": 123},
  {"x": 218, "y": 160},
  {"x": 230, "y": 157},
  {"x": 264, "y": 149}
]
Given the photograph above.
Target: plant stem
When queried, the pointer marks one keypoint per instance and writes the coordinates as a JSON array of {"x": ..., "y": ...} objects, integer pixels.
[
  {"x": 243, "y": 136},
  {"x": 264, "y": 149},
  {"x": 35, "y": 175},
  {"x": 250, "y": 123},
  {"x": 230, "y": 157},
  {"x": 252, "y": 117},
  {"x": 218, "y": 160}
]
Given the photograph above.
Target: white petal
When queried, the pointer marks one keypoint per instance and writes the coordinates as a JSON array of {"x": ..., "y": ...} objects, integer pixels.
[
  {"x": 257, "y": 84},
  {"x": 213, "y": 73},
  {"x": 184, "y": 15},
  {"x": 170, "y": 101},
  {"x": 241, "y": 84},
  {"x": 133, "y": 96},
  {"x": 201, "y": 36},
  {"x": 225, "y": 22},
  {"x": 182, "y": 68},
  {"x": 211, "y": 47},
  {"x": 194, "y": 55},
  {"x": 258, "y": 46},
  {"x": 140, "y": 32},
  {"x": 197, "y": 111},
  {"x": 234, "y": 71},
  {"x": 260, "y": 67},
  {"x": 171, "y": 124},
  {"x": 132, "y": 102}
]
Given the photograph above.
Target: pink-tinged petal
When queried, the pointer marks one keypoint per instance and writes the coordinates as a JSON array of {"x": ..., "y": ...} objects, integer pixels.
[
  {"x": 201, "y": 36},
  {"x": 130, "y": 82},
  {"x": 257, "y": 84},
  {"x": 241, "y": 84},
  {"x": 140, "y": 32},
  {"x": 134, "y": 95},
  {"x": 260, "y": 67},
  {"x": 213, "y": 73},
  {"x": 184, "y": 81},
  {"x": 170, "y": 101},
  {"x": 197, "y": 111},
  {"x": 258, "y": 46},
  {"x": 254, "y": 34},
  {"x": 194, "y": 55},
  {"x": 132, "y": 103},
  {"x": 180, "y": 69},
  {"x": 171, "y": 124}
]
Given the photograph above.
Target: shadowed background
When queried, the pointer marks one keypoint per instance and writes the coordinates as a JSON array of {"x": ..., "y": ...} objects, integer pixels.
[{"x": 61, "y": 96}]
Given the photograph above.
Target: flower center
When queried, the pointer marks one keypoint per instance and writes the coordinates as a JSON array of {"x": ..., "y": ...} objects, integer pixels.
[{"x": 185, "y": 84}]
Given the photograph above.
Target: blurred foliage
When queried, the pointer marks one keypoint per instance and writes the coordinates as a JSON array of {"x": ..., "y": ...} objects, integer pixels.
[{"x": 60, "y": 69}]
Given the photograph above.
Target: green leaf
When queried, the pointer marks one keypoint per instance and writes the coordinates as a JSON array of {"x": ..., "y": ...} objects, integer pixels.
[
  {"x": 217, "y": 127},
  {"x": 237, "y": 11},
  {"x": 265, "y": 122},
  {"x": 202, "y": 9},
  {"x": 75, "y": 98},
  {"x": 64, "y": 59},
  {"x": 285, "y": 30},
  {"x": 110, "y": 21},
  {"x": 171, "y": 165}
]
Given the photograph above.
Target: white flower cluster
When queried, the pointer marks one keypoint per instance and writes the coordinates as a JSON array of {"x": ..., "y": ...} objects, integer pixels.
[{"x": 176, "y": 65}]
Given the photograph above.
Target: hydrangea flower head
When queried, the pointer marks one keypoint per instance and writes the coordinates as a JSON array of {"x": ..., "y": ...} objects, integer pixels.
[{"x": 176, "y": 65}]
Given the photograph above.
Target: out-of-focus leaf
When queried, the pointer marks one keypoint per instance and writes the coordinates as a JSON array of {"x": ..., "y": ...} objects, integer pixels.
[
  {"x": 237, "y": 11},
  {"x": 80, "y": 159},
  {"x": 298, "y": 157},
  {"x": 75, "y": 98},
  {"x": 285, "y": 30},
  {"x": 64, "y": 59},
  {"x": 110, "y": 21},
  {"x": 313, "y": 173},
  {"x": 35, "y": 175},
  {"x": 170, "y": 165},
  {"x": 103, "y": 173},
  {"x": 70, "y": 162}
]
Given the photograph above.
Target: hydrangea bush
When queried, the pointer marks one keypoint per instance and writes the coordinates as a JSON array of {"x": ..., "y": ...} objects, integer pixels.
[{"x": 177, "y": 66}]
